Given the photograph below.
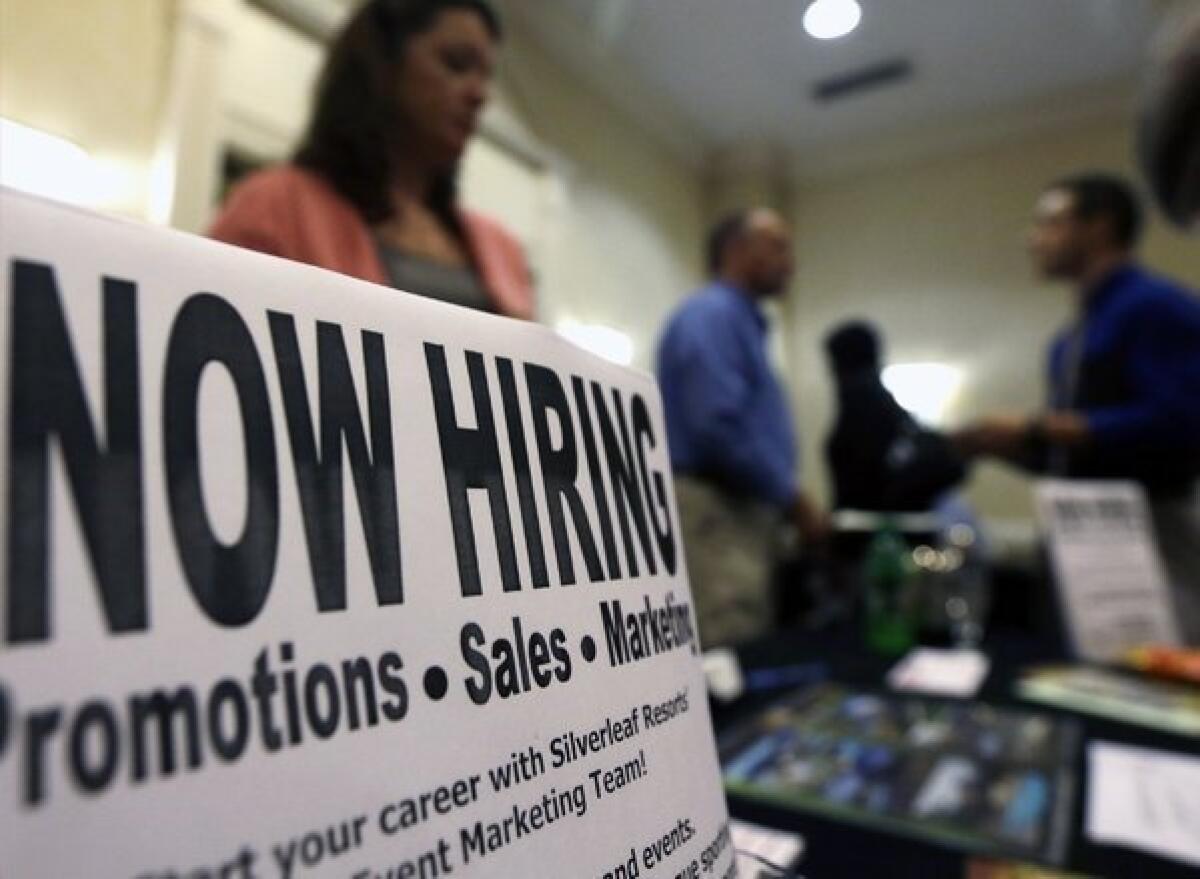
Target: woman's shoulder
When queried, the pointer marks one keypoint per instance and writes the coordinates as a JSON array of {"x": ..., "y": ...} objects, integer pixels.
[
  {"x": 285, "y": 210},
  {"x": 285, "y": 184}
]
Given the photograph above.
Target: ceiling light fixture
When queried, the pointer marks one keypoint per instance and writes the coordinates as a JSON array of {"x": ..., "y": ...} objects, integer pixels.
[{"x": 830, "y": 19}]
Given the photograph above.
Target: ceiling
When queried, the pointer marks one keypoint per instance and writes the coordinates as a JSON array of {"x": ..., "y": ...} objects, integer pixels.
[{"x": 728, "y": 74}]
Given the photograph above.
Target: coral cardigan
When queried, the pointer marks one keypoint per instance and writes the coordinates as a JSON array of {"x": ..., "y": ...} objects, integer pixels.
[{"x": 291, "y": 212}]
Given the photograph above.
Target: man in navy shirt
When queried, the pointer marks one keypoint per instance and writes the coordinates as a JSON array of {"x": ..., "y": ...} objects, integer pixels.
[
  {"x": 1124, "y": 379},
  {"x": 732, "y": 442}
]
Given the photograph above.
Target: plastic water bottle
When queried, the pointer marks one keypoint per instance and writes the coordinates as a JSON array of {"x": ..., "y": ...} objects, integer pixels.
[{"x": 968, "y": 598}]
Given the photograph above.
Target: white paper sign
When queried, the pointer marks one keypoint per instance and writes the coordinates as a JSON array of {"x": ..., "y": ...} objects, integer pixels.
[
  {"x": 954, "y": 673},
  {"x": 1148, "y": 800},
  {"x": 764, "y": 853},
  {"x": 308, "y": 577},
  {"x": 1110, "y": 577}
]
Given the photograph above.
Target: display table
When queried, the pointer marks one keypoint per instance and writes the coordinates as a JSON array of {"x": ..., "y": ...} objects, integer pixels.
[{"x": 837, "y": 849}]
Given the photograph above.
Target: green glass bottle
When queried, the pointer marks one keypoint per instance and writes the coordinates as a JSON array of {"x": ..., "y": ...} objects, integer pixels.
[{"x": 887, "y": 581}]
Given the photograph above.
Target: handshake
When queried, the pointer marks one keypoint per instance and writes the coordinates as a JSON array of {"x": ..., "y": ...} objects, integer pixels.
[{"x": 1015, "y": 437}]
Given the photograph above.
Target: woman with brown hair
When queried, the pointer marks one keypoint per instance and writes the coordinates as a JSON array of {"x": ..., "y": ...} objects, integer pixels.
[{"x": 371, "y": 190}]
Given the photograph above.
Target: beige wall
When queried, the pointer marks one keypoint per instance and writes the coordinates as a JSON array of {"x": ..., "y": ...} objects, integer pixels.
[
  {"x": 627, "y": 243},
  {"x": 93, "y": 72},
  {"x": 933, "y": 251}
]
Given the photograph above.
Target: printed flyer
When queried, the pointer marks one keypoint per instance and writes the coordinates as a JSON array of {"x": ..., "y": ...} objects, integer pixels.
[{"x": 309, "y": 577}]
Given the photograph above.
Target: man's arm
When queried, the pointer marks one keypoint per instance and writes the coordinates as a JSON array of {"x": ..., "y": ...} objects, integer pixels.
[
  {"x": 715, "y": 378},
  {"x": 1163, "y": 367},
  {"x": 810, "y": 520},
  {"x": 1023, "y": 440}
]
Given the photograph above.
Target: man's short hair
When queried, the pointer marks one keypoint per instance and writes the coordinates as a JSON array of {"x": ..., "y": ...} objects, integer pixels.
[
  {"x": 723, "y": 233},
  {"x": 853, "y": 346},
  {"x": 1109, "y": 197}
]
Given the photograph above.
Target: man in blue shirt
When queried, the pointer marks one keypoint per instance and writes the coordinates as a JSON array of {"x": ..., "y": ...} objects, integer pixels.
[
  {"x": 1124, "y": 380},
  {"x": 733, "y": 446}
]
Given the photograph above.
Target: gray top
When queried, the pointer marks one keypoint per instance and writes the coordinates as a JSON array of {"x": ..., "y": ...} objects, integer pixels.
[{"x": 457, "y": 285}]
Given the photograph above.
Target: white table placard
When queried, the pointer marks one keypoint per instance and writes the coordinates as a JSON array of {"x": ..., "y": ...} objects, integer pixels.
[
  {"x": 1110, "y": 579},
  {"x": 1144, "y": 799}
]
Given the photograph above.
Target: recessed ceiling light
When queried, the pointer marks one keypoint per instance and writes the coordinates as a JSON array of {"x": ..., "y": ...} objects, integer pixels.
[{"x": 830, "y": 19}]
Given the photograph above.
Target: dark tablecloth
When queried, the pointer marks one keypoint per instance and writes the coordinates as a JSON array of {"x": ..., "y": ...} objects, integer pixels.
[{"x": 840, "y": 850}]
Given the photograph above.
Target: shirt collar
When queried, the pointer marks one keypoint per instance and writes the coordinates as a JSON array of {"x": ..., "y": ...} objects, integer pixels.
[
  {"x": 1110, "y": 285},
  {"x": 745, "y": 303}
]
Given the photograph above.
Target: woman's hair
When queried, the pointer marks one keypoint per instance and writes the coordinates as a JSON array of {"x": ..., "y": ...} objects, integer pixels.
[{"x": 356, "y": 128}]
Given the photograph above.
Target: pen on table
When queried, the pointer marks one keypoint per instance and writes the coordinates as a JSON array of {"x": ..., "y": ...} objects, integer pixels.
[{"x": 784, "y": 676}]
